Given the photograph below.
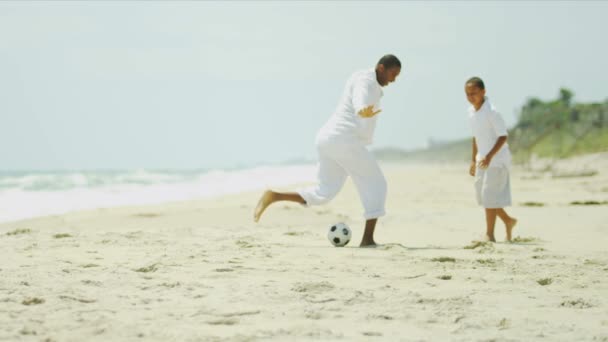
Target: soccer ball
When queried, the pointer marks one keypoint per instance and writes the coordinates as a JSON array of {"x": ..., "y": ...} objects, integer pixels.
[{"x": 339, "y": 234}]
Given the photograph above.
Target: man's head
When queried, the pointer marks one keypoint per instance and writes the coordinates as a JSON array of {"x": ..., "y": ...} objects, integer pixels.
[
  {"x": 476, "y": 91},
  {"x": 387, "y": 69}
]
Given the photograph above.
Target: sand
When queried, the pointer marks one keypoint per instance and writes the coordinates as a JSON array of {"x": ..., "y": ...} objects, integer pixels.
[{"x": 204, "y": 271}]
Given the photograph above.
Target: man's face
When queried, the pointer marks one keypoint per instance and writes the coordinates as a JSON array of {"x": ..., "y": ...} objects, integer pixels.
[
  {"x": 475, "y": 94},
  {"x": 386, "y": 76}
]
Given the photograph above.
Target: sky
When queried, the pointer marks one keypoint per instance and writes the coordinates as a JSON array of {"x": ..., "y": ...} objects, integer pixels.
[{"x": 88, "y": 85}]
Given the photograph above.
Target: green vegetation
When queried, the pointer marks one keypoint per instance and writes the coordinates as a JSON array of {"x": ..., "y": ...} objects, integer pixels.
[
  {"x": 557, "y": 128},
  {"x": 560, "y": 128}
]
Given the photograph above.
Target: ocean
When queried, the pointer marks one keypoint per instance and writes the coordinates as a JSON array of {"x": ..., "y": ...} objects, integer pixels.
[{"x": 28, "y": 194}]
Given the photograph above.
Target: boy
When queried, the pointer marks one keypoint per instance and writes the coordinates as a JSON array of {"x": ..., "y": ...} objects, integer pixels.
[
  {"x": 491, "y": 159},
  {"x": 342, "y": 152}
]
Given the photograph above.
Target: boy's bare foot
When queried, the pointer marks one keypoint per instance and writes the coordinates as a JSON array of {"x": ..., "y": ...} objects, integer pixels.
[
  {"x": 266, "y": 200},
  {"x": 510, "y": 227},
  {"x": 489, "y": 238}
]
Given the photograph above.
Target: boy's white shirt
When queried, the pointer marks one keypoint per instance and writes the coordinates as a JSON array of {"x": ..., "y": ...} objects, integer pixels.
[
  {"x": 345, "y": 125},
  {"x": 487, "y": 125}
]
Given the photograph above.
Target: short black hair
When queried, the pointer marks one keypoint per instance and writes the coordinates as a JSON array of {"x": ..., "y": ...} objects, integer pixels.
[
  {"x": 477, "y": 82},
  {"x": 390, "y": 61}
]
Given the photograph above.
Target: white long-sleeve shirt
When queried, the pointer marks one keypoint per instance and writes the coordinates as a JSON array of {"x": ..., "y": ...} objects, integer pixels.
[{"x": 345, "y": 125}]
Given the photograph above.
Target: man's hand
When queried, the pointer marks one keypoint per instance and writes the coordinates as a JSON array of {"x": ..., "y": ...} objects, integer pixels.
[
  {"x": 368, "y": 112},
  {"x": 472, "y": 168},
  {"x": 485, "y": 162}
]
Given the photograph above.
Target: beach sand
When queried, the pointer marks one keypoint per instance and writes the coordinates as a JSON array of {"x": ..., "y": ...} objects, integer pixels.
[{"x": 204, "y": 271}]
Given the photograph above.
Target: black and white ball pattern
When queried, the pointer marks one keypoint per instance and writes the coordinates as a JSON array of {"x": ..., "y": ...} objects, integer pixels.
[{"x": 339, "y": 234}]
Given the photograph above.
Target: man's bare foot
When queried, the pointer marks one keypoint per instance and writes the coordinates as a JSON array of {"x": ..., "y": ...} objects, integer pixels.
[
  {"x": 266, "y": 200},
  {"x": 510, "y": 227},
  {"x": 368, "y": 244}
]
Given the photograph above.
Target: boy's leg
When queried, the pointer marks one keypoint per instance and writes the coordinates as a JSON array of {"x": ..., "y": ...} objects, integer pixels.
[
  {"x": 490, "y": 223},
  {"x": 509, "y": 221},
  {"x": 494, "y": 193}
]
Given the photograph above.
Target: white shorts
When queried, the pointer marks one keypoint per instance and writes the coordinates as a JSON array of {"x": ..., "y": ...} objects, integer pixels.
[{"x": 493, "y": 187}]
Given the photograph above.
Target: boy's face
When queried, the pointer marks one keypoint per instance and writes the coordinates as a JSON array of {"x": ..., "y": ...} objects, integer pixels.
[{"x": 475, "y": 94}]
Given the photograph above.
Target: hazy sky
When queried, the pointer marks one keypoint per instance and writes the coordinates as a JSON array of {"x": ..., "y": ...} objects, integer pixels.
[{"x": 89, "y": 85}]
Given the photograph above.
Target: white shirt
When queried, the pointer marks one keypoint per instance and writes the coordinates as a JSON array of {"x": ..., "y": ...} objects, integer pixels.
[
  {"x": 345, "y": 125},
  {"x": 487, "y": 125}
]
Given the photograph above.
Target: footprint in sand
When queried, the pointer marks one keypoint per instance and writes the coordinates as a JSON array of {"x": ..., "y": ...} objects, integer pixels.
[
  {"x": 147, "y": 269},
  {"x": 578, "y": 303},
  {"x": 147, "y": 215},
  {"x": 313, "y": 287},
  {"x": 544, "y": 281},
  {"x": 592, "y": 262},
  {"x": 224, "y": 321},
  {"x": 315, "y": 315},
  {"x": 482, "y": 247},
  {"x": 525, "y": 240},
  {"x": 323, "y": 212},
  {"x": 28, "y": 331},
  {"x": 33, "y": 301},
  {"x": 81, "y": 300},
  {"x": 381, "y": 317},
  {"x": 444, "y": 259},
  {"x": 245, "y": 244},
  {"x": 294, "y": 233},
  {"x": 489, "y": 262},
  {"x": 91, "y": 282},
  {"x": 19, "y": 232}
]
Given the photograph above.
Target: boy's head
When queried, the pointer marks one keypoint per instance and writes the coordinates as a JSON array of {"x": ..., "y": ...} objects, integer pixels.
[
  {"x": 387, "y": 69},
  {"x": 476, "y": 91}
]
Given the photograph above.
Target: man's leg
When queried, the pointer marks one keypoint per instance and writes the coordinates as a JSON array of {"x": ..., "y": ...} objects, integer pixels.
[
  {"x": 331, "y": 177},
  {"x": 270, "y": 197},
  {"x": 371, "y": 186},
  {"x": 368, "y": 235}
]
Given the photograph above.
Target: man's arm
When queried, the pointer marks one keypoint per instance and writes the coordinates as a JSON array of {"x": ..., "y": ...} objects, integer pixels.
[
  {"x": 485, "y": 162},
  {"x": 363, "y": 101},
  {"x": 368, "y": 112}
]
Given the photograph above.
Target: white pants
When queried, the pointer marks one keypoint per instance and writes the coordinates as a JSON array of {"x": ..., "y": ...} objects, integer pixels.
[{"x": 336, "y": 162}]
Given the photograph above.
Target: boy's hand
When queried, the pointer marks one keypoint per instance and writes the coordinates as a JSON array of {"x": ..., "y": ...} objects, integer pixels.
[
  {"x": 368, "y": 112},
  {"x": 485, "y": 162},
  {"x": 472, "y": 168}
]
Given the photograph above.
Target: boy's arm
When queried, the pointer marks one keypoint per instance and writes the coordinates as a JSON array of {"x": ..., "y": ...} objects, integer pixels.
[
  {"x": 485, "y": 162},
  {"x": 472, "y": 167}
]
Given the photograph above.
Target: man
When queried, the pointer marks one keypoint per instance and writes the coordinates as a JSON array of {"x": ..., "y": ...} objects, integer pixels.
[{"x": 341, "y": 147}]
